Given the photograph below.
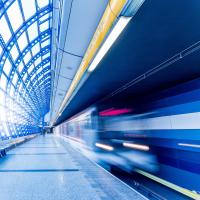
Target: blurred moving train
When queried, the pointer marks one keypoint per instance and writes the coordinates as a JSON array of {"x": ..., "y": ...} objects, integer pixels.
[{"x": 161, "y": 135}]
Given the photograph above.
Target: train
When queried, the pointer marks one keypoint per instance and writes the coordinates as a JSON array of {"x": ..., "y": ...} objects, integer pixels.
[{"x": 160, "y": 135}]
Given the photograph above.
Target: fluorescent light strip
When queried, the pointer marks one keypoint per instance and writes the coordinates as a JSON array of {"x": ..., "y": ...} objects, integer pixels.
[
  {"x": 189, "y": 145},
  {"x": 117, "y": 30},
  {"x": 104, "y": 146},
  {"x": 136, "y": 146}
]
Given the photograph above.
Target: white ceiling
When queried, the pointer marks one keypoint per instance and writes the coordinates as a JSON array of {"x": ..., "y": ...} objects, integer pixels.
[{"x": 74, "y": 23}]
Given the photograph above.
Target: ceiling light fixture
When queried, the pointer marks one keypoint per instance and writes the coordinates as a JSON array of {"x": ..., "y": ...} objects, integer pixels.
[{"x": 117, "y": 30}]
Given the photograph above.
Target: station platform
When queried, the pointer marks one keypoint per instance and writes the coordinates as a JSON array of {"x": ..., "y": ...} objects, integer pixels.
[{"x": 48, "y": 168}]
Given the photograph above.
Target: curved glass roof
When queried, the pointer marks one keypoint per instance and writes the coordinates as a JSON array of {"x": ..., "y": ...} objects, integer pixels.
[{"x": 25, "y": 72}]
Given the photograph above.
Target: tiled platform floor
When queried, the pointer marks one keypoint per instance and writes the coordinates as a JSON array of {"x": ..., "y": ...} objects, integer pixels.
[{"x": 48, "y": 168}]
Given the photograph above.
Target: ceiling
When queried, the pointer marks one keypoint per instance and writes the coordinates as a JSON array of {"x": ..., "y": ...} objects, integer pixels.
[
  {"x": 158, "y": 49},
  {"x": 74, "y": 24}
]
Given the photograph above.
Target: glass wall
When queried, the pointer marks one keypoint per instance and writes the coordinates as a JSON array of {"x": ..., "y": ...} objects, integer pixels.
[{"x": 25, "y": 73}]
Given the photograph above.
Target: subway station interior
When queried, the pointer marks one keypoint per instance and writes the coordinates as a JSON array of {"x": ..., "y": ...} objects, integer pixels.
[{"x": 99, "y": 99}]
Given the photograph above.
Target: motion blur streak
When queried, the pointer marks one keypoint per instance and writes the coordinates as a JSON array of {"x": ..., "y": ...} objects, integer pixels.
[
  {"x": 160, "y": 136},
  {"x": 189, "y": 145},
  {"x": 113, "y": 112},
  {"x": 136, "y": 146},
  {"x": 104, "y": 146}
]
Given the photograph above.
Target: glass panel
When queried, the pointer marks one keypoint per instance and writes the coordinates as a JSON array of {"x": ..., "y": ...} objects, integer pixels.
[
  {"x": 45, "y": 43},
  {"x": 28, "y": 84},
  {"x": 25, "y": 76},
  {"x": 2, "y": 99},
  {"x": 12, "y": 91},
  {"x": 38, "y": 61},
  {"x": 27, "y": 58},
  {"x": 20, "y": 67},
  {"x": 45, "y": 38},
  {"x": 33, "y": 31},
  {"x": 20, "y": 87},
  {"x": 45, "y": 65},
  {"x": 29, "y": 8},
  {"x": 42, "y": 3},
  {"x": 46, "y": 55},
  {"x": 44, "y": 26},
  {"x": 3, "y": 82},
  {"x": 1, "y": 50},
  {"x": 39, "y": 70},
  {"x": 15, "y": 78},
  {"x": 30, "y": 69},
  {"x": 22, "y": 41},
  {"x": 7, "y": 67},
  {"x": 33, "y": 77},
  {"x": 4, "y": 30},
  {"x": 46, "y": 72},
  {"x": 15, "y": 16},
  {"x": 14, "y": 52},
  {"x": 2, "y": 117},
  {"x": 43, "y": 18},
  {"x": 39, "y": 78},
  {"x": 18, "y": 11},
  {"x": 36, "y": 49},
  {"x": 6, "y": 129}
]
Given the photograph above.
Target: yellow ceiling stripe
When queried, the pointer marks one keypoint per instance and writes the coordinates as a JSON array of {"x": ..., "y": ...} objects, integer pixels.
[{"x": 113, "y": 10}]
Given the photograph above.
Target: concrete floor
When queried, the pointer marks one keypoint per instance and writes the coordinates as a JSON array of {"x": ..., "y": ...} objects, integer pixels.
[{"x": 48, "y": 168}]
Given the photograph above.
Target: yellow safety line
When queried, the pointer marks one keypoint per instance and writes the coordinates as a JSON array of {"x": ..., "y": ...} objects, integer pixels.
[
  {"x": 113, "y": 10},
  {"x": 177, "y": 188}
]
